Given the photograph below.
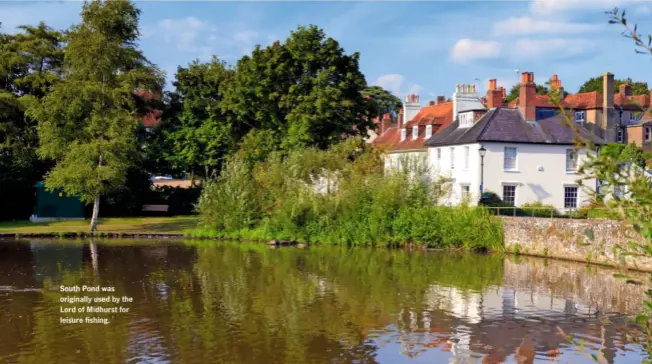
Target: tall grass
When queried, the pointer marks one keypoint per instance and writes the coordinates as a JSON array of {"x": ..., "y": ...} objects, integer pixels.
[{"x": 357, "y": 204}]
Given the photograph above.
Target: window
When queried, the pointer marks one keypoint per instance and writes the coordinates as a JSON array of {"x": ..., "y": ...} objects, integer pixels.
[
  {"x": 403, "y": 134},
  {"x": 620, "y": 136},
  {"x": 570, "y": 197},
  {"x": 632, "y": 117},
  {"x": 619, "y": 191},
  {"x": 466, "y": 157},
  {"x": 580, "y": 116},
  {"x": 647, "y": 133},
  {"x": 466, "y": 119},
  {"x": 466, "y": 192},
  {"x": 509, "y": 194},
  {"x": 510, "y": 159},
  {"x": 415, "y": 132},
  {"x": 428, "y": 131},
  {"x": 571, "y": 160},
  {"x": 452, "y": 158}
]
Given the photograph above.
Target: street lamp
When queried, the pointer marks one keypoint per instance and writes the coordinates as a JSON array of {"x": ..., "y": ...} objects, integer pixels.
[{"x": 483, "y": 152}]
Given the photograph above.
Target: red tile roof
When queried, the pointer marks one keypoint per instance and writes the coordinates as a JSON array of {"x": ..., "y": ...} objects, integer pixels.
[
  {"x": 589, "y": 100},
  {"x": 542, "y": 101},
  {"x": 439, "y": 116},
  {"x": 585, "y": 100},
  {"x": 153, "y": 117}
]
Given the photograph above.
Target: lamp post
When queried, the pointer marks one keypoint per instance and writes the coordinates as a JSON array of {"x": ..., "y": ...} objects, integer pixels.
[{"x": 482, "y": 151}]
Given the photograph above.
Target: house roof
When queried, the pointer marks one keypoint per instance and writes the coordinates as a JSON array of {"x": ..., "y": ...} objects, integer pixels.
[
  {"x": 439, "y": 116},
  {"x": 541, "y": 101},
  {"x": 153, "y": 117},
  {"x": 508, "y": 126},
  {"x": 589, "y": 100}
]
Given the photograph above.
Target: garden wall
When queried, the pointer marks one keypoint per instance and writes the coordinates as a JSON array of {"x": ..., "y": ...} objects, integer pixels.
[{"x": 591, "y": 241}]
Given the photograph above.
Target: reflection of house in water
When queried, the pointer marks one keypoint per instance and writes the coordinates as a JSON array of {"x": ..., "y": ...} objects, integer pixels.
[
  {"x": 50, "y": 260},
  {"x": 501, "y": 322}
]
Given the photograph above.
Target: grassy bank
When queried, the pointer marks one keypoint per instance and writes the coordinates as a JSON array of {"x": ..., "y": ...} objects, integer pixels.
[
  {"x": 340, "y": 196},
  {"x": 131, "y": 225}
]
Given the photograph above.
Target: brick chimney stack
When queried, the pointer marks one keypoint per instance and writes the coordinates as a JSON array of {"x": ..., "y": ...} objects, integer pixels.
[
  {"x": 555, "y": 82},
  {"x": 495, "y": 95},
  {"x": 527, "y": 96},
  {"x": 609, "y": 114},
  {"x": 625, "y": 89},
  {"x": 441, "y": 100},
  {"x": 385, "y": 122}
]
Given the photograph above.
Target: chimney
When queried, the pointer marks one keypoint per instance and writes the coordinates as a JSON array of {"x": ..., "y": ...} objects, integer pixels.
[
  {"x": 608, "y": 90},
  {"x": 384, "y": 123},
  {"x": 625, "y": 89},
  {"x": 441, "y": 99},
  {"x": 555, "y": 82},
  {"x": 609, "y": 115},
  {"x": 432, "y": 102},
  {"x": 495, "y": 95},
  {"x": 527, "y": 96},
  {"x": 410, "y": 107},
  {"x": 399, "y": 119}
]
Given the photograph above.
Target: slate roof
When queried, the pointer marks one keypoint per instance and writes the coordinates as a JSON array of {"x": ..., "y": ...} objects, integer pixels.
[
  {"x": 439, "y": 116},
  {"x": 507, "y": 125}
]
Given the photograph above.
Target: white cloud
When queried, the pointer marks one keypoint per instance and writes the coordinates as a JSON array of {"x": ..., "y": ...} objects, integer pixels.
[
  {"x": 246, "y": 36},
  {"x": 643, "y": 10},
  {"x": 556, "y": 48},
  {"x": 184, "y": 33},
  {"x": 469, "y": 49},
  {"x": 527, "y": 25},
  {"x": 399, "y": 86},
  {"x": 557, "y": 6}
]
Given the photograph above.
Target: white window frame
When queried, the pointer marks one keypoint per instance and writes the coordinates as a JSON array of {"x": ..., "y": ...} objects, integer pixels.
[
  {"x": 465, "y": 190},
  {"x": 467, "y": 154},
  {"x": 580, "y": 116},
  {"x": 466, "y": 120},
  {"x": 428, "y": 131},
  {"x": 515, "y": 158},
  {"x": 632, "y": 117},
  {"x": 415, "y": 132},
  {"x": 571, "y": 154},
  {"x": 647, "y": 133},
  {"x": 577, "y": 196},
  {"x": 620, "y": 136},
  {"x": 403, "y": 134},
  {"x": 515, "y": 192},
  {"x": 452, "y": 157}
]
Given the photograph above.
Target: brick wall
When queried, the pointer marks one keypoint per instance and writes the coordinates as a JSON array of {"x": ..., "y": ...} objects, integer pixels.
[{"x": 595, "y": 241}]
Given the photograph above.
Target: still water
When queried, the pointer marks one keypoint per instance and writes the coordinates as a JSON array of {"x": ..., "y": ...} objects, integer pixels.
[{"x": 213, "y": 302}]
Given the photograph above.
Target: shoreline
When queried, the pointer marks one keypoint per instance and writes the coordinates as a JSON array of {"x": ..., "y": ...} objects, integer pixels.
[{"x": 296, "y": 244}]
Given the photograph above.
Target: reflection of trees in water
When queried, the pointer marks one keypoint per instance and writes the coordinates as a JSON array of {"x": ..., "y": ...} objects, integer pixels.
[{"x": 249, "y": 304}]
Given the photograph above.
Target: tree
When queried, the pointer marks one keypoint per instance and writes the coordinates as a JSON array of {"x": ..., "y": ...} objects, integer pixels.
[
  {"x": 30, "y": 64},
  {"x": 384, "y": 102},
  {"x": 87, "y": 123},
  {"x": 515, "y": 90},
  {"x": 624, "y": 153},
  {"x": 595, "y": 84},
  {"x": 199, "y": 131},
  {"x": 307, "y": 91}
]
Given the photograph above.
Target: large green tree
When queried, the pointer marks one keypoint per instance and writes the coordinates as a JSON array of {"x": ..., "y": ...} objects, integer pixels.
[
  {"x": 595, "y": 84},
  {"x": 306, "y": 91},
  {"x": 87, "y": 123},
  {"x": 30, "y": 64},
  {"x": 383, "y": 101},
  {"x": 199, "y": 130}
]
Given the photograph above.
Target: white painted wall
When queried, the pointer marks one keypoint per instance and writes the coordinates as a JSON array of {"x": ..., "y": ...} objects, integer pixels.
[
  {"x": 460, "y": 174},
  {"x": 397, "y": 160},
  {"x": 540, "y": 174}
]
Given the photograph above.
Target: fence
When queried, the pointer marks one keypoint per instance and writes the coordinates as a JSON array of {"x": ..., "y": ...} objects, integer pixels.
[{"x": 549, "y": 212}]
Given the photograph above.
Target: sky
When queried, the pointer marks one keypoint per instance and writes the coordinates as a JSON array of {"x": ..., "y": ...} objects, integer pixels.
[{"x": 423, "y": 47}]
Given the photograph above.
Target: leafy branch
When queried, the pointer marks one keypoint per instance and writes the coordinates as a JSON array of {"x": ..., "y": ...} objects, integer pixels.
[{"x": 618, "y": 17}]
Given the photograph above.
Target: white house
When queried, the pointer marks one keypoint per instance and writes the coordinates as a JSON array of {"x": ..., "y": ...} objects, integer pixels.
[{"x": 523, "y": 161}]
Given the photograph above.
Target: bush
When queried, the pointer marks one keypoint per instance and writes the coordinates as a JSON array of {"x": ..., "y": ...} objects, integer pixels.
[{"x": 276, "y": 199}]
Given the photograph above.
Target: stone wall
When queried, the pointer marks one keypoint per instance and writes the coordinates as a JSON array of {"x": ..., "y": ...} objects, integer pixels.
[{"x": 591, "y": 241}]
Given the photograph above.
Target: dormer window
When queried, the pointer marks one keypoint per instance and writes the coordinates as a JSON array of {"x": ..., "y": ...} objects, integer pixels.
[
  {"x": 415, "y": 132},
  {"x": 403, "y": 134},
  {"x": 580, "y": 116},
  {"x": 632, "y": 117},
  {"x": 428, "y": 131},
  {"x": 466, "y": 120}
]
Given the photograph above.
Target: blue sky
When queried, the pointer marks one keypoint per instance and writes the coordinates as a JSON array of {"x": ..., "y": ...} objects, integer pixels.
[{"x": 422, "y": 47}]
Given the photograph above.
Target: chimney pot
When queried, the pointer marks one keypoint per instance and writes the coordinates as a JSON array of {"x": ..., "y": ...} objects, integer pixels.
[
  {"x": 492, "y": 84},
  {"x": 524, "y": 77},
  {"x": 431, "y": 102},
  {"x": 441, "y": 99}
]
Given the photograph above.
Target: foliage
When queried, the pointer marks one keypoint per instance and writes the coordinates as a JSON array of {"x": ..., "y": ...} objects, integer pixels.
[
  {"x": 339, "y": 196},
  {"x": 627, "y": 153},
  {"x": 384, "y": 102},
  {"x": 596, "y": 84},
  {"x": 198, "y": 131},
  {"x": 307, "y": 91},
  {"x": 87, "y": 123},
  {"x": 515, "y": 90},
  {"x": 30, "y": 64}
]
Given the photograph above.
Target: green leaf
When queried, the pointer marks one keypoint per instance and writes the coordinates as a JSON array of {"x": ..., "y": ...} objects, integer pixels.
[{"x": 641, "y": 319}]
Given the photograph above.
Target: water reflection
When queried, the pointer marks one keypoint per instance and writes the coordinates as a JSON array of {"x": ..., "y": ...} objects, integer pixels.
[{"x": 246, "y": 303}]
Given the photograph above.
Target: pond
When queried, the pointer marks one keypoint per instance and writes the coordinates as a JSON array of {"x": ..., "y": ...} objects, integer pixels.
[{"x": 219, "y": 302}]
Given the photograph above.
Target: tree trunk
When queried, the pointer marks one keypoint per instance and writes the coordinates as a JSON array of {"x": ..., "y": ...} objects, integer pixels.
[{"x": 96, "y": 206}]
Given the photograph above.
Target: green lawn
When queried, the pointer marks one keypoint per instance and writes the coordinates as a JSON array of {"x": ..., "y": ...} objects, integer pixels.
[{"x": 169, "y": 225}]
